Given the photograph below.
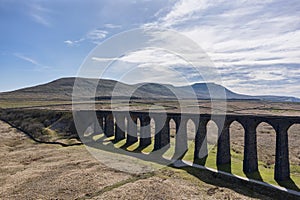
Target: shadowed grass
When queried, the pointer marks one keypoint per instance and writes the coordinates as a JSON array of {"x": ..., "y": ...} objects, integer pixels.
[{"x": 265, "y": 174}]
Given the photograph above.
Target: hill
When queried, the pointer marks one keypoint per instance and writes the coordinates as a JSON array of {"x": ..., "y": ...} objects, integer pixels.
[{"x": 62, "y": 89}]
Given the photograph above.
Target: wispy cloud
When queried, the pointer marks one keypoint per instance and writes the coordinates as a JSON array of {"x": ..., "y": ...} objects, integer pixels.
[
  {"x": 40, "y": 14},
  {"x": 41, "y": 20},
  {"x": 112, "y": 26},
  {"x": 183, "y": 11},
  {"x": 150, "y": 65},
  {"x": 95, "y": 36},
  {"x": 73, "y": 42},
  {"x": 239, "y": 35},
  {"x": 26, "y": 58},
  {"x": 148, "y": 56},
  {"x": 104, "y": 59},
  {"x": 38, "y": 65}
]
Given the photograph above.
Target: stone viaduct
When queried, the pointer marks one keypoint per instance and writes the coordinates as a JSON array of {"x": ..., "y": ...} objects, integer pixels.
[{"x": 114, "y": 124}]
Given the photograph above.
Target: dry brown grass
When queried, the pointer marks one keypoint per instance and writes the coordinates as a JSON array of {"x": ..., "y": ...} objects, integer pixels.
[{"x": 40, "y": 171}]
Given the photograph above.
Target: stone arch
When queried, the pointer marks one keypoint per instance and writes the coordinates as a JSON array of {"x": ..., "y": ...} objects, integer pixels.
[
  {"x": 237, "y": 143},
  {"x": 293, "y": 144},
  {"x": 138, "y": 125},
  {"x": 266, "y": 144},
  {"x": 237, "y": 135},
  {"x": 212, "y": 133},
  {"x": 173, "y": 127},
  {"x": 190, "y": 129},
  {"x": 212, "y": 140},
  {"x": 126, "y": 125},
  {"x": 114, "y": 122},
  {"x": 190, "y": 137},
  {"x": 152, "y": 127}
]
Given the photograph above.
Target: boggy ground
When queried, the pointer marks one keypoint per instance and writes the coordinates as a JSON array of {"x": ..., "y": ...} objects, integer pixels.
[{"x": 30, "y": 170}]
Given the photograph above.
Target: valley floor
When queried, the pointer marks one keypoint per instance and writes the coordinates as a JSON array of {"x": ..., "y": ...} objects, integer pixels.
[{"x": 29, "y": 170}]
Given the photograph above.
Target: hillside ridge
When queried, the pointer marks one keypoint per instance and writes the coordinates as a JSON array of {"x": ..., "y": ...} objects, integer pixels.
[{"x": 62, "y": 89}]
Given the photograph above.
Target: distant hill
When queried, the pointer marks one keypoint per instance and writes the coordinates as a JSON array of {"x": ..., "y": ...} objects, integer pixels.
[{"x": 62, "y": 89}]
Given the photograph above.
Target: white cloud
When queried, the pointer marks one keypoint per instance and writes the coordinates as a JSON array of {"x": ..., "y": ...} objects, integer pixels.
[
  {"x": 69, "y": 42},
  {"x": 149, "y": 65},
  {"x": 154, "y": 56},
  {"x": 103, "y": 59},
  {"x": 267, "y": 75},
  {"x": 74, "y": 42},
  {"x": 112, "y": 26},
  {"x": 95, "y": 36},
  {"x": 243, "y": 33},
  {"x": 149, "y": 56},
  {"x": 183, "y": 11}
]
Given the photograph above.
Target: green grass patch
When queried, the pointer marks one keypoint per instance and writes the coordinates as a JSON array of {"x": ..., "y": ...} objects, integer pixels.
[{"x": 265, "y": 174}]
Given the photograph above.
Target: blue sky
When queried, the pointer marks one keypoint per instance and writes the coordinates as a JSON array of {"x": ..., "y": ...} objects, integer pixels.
[{"x": 255, "y": 45}]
